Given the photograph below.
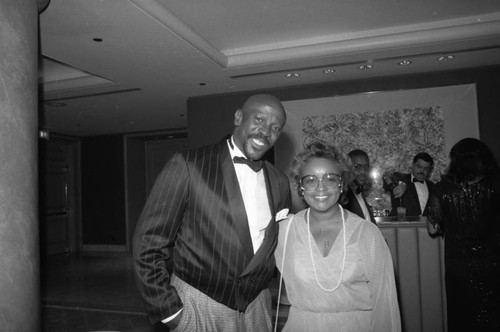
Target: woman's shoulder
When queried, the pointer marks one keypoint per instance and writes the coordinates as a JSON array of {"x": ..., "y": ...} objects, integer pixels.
[
  {"x": 353, "y": 218},
  {"x": 291, "y": 217},
  {"x": 361, "y": 225}
]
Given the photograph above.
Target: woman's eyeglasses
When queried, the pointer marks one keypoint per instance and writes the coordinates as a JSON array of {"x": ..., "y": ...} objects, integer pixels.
[{"x": 329, "y": 180}]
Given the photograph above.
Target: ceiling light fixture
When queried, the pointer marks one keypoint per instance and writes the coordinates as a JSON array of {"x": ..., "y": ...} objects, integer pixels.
[
  {"x": 365, "y": 67},
  {"x": 43, "y": 134},
  {"x": 405, "y": 63},
  {"x": 446, "y": 57},
  {"x": 329, "y": 71},
  {"x": 292, "y": 75}
]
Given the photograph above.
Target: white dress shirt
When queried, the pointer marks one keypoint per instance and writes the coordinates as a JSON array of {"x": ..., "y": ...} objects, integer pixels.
[
  {"x": 253, "y": 191},
  {"x": 422, "y": 192}
]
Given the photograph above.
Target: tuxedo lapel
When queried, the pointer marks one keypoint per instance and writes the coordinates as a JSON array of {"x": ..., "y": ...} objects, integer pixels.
[
  {"x": 235, "y": 201},
  {"x": 370, "y": 210},
  {"x": 270, "y": 197},
  {"x": 411, "y": 201},
  {"x": 354, "y": 204}
]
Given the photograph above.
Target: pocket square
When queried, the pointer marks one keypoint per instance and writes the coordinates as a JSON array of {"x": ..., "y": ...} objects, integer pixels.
[{"x": 281, "y": 215}]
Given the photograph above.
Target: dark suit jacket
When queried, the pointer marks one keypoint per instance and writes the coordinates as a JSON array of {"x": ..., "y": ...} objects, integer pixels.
[
  {"x": 195, "y": 220},
  {"x": 352, "y": 205},
  {"x": 410, "y": 198}
]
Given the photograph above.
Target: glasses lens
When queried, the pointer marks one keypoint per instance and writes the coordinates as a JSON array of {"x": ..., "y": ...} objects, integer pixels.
[
  {"x": 309, "y": 182},
  {"x": 331, "y": 180}
]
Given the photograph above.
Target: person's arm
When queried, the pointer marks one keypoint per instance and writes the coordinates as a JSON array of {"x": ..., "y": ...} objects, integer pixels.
[
  {"x": 381, "y": 282},
  {"x": 394, "y": 184},
  {"x": 400, "y": 190},
  {"x": 433, "y": 211},
  {"x": 154, "y": 240},
  {"x": 433, "y": 215}
]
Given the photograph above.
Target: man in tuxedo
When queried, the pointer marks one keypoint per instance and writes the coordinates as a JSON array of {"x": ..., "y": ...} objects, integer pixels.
[
  {"x": 204, "y": 242},
  {"x": 359, "y": 186},
  {"x": 412, "y": 190}
]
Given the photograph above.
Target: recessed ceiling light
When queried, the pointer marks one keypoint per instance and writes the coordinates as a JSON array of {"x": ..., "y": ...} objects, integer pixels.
[
  {"x": 44, "y": 134},
  {"x": 292, "y": 75},
  {"x": 329, "y": 71},
  {"x": 446, "y": 57},
  {"x": 405, "y": 63},
  {"x": 364, "y": 67}
]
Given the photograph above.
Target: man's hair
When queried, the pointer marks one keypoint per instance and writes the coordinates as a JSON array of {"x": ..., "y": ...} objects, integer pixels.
[
  {"x": 358, "y": 153},
  {"x": 425, "y": 157}
]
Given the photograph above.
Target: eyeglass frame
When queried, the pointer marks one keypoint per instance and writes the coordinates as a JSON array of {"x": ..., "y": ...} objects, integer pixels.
[{"x": 321, "y": 180}]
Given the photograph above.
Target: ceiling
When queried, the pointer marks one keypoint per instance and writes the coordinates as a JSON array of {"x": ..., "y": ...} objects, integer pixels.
[{"x": 122, "y": 66}]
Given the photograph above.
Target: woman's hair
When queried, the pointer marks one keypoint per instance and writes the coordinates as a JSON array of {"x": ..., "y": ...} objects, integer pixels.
[
  {"x": 319, "y": 150},
  {"x": 470, "y": 158}
]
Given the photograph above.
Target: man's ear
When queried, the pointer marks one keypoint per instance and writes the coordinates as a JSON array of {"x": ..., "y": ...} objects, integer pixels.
[{"x": 238, "y": 116}]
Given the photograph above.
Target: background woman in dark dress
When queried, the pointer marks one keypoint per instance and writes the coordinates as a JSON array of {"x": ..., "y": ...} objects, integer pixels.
[{"x": 465, "y": 208}]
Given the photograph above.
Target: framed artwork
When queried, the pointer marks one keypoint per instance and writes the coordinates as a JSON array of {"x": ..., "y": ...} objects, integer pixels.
[{"x": 391, "y": 126}]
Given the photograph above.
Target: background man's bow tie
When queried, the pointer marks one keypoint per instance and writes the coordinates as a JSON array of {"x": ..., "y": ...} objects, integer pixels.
[
  {"x": 255, "y": 165},
  {"x": 415, "y": 180}
]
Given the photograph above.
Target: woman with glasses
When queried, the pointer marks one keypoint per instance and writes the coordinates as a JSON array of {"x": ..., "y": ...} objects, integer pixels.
[{"x": 336, "y": 267}]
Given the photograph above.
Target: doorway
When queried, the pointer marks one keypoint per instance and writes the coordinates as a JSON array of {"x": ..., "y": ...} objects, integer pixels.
[{"x": 59, "y": 188}]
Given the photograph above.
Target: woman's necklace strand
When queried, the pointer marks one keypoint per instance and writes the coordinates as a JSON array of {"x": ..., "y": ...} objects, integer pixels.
[{"x": 312, "y": 257}]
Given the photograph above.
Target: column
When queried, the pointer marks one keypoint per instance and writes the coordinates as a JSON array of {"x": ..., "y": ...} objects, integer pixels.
[{"x": 19, "y": 249}]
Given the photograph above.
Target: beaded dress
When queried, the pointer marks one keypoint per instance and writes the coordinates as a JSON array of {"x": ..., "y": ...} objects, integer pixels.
[
  {"x": 468, "y": 216},
  {"x": 366, "y": 298}
]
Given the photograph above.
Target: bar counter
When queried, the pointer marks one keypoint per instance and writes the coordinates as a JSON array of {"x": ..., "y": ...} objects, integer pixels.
[{"x": 419, "y": 269}]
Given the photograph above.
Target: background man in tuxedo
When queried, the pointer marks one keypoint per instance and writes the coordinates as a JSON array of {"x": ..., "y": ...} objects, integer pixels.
[
  {"x": 213, "y": 220},
  {"x": 412, "y": 190},
  {"x": 359, "y": 186}
]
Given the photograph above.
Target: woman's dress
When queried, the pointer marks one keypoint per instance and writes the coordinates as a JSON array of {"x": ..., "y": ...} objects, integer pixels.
[
  {"x": 468, "y": 215},
  {"x": 366, "y": 299}
]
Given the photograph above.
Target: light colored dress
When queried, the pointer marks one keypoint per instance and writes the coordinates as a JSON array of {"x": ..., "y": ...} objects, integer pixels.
[{"x": 366, "y": 299}]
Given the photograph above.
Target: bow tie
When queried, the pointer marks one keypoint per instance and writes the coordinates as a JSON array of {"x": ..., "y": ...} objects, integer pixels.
[
  {"x": 255, "y": 165},
  {"x": 415, "y": 180}
]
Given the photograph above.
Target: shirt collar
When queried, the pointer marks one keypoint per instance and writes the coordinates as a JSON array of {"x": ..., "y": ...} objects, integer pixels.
[
  {"x": 233, "y": 149},
  {"x": 412, "y": 177}
]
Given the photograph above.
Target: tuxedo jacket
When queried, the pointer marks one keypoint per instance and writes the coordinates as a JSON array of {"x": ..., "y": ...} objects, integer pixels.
[
  {"x": 194, "y": 223},
  {"x": 352, "y": 205},
  {"x": 410, "y": 198}
]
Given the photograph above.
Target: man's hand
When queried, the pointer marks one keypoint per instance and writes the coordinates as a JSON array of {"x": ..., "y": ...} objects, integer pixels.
[{"x": 399, "y": 190}]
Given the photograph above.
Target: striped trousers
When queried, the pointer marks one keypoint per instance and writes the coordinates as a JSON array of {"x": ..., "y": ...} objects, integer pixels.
[{"x": 202, "y": 313}]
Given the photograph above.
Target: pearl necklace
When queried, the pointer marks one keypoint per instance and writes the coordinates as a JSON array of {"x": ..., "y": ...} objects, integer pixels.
[{"x": 312, "y": 258}]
